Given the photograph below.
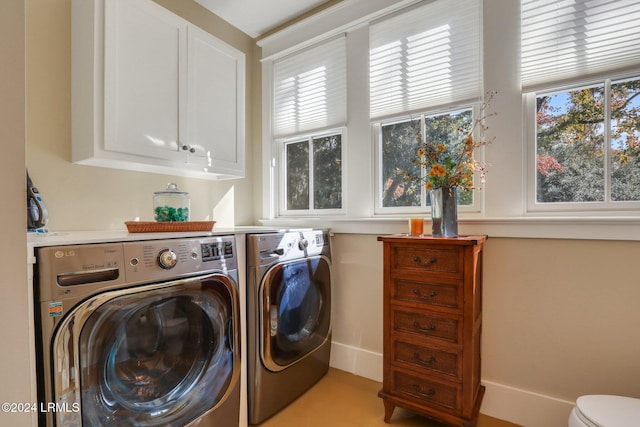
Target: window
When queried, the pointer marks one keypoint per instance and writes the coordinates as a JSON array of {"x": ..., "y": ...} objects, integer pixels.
[
  {"x": 424, "y": 59},
  {"x": 313, "y": 174},
  {"x": 584, "y": 135},
  {"x": 309, "y": 95},
  {"x": 398, "y": 154},
  {"x": 587, "y": 144}
]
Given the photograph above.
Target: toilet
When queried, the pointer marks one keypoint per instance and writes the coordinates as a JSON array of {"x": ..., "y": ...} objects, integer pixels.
[{"x": 605, "y": 411}]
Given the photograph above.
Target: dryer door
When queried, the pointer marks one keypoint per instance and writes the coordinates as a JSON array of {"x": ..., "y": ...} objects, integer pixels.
[
  {"x": 295, "y": 299},
  {"x": 158, "y": 355}
]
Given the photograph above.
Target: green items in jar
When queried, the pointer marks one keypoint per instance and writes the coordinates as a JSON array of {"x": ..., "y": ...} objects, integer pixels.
[
  {"x": 171, "y": 214},
  {"x": 171, "y": 204}
]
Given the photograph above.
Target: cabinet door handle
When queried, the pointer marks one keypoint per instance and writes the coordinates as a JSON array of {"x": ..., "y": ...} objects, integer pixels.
[
  {"x": 431, "y": 327},
  {"x": 429, "y": 361},
  {"x": 427, "y": 263},
  {"x": 427, "y": 393},
  {"x": 189, "y": 148}
]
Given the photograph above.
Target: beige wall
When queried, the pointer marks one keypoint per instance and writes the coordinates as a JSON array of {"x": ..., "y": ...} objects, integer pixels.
[
  {"x": 357, "y": 275},
  {"x": 90, "y": 198},
  {"x": 16, "y": 359},
  {"x": 561, "y": 316}
]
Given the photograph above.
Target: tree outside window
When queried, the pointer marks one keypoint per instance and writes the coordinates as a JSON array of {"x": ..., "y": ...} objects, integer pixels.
[
  {"x": 586, "y": 150},
  {"x": 313, "y": 173},
  {"x": 399, "y": 153}
]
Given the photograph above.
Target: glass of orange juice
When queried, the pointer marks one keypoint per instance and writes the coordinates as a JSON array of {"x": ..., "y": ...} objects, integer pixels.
[{"x": 416, "y": 226}]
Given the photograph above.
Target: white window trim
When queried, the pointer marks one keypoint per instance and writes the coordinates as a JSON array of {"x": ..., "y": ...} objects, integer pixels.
[{"x": 606, "y": 207}]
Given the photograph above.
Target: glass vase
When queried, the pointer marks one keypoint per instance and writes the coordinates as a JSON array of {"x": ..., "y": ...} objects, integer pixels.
[{"x": 444, "y": 212}]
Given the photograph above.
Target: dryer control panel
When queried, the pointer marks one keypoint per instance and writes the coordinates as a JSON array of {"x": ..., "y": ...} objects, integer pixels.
[{"x": 264, "y": 249}]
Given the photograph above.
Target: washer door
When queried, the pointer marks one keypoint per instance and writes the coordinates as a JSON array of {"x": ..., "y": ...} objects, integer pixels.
[
  {"x": 295, "y": 302},
  {"x": 156, "y": 356}
]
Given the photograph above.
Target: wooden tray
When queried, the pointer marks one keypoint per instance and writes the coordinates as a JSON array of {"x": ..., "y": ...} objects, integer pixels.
[{"x": 165, "y": 227}]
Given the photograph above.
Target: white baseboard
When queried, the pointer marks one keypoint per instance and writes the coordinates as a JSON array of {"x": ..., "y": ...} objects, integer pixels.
[
  {"x": 523, "y": 407},
  {"x": 357, "y": 361},
  {"x": 500, "y": 401}
]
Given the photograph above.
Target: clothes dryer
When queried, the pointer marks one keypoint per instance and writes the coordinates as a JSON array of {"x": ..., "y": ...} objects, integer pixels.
[
  {"x": 289, "y": 317},
  {"x": 139, "y": 333}
]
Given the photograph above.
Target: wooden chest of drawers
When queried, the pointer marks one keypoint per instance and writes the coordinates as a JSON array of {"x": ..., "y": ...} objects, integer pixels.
[{"x": 432, "y": 326}]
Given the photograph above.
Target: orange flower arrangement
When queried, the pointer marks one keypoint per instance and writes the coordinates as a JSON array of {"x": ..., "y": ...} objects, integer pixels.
[{"x": 453, "y": 165}]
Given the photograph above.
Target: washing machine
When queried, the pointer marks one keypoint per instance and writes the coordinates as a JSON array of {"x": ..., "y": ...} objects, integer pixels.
[
  {"x": 289, "y": 295},
  {"x": 139, "y": 333}
]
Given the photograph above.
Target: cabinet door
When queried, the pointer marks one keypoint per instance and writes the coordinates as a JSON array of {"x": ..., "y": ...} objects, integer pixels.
[
  {"x": 215, "y": 118},
  {"x": 145, "y": 83}
]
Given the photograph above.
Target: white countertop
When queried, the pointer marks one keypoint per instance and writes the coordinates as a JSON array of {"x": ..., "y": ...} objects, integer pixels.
[
  {"x": 54, "y": 238},
  {"x": 57, "y": 238}
]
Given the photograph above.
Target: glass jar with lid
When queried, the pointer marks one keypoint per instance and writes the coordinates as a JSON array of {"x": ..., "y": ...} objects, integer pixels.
[{"x": 171, "y": 204}]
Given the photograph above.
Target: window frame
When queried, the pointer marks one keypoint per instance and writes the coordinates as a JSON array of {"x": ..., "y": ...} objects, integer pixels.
[
  {"x": 606, "y": 207},
  {"x": 281, "y": 168},
  {"x": 478, "y": 199}
]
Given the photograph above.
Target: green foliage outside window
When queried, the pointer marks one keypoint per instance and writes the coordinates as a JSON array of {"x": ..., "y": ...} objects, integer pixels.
[
  {"x": 314, "y": 181},
  {"x": 574, "y": 152},
  {"x": 399, "y": 156}
]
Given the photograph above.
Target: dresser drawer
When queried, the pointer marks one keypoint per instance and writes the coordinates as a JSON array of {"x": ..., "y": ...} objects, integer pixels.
[
  {"x": 424, "y": 358},
  {"x": 443, "y": 328},
  {"x": 441, "y": 260},
  {"x": 431, "y": 294},
  {"x": 430, "y": 392}
]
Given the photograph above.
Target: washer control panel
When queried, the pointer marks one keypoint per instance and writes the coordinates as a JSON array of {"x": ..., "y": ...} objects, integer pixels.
[
  {"x": 162, "y": 259},
  {"x": 167, "y": 259},
  {"x": 70, "y": 271}
]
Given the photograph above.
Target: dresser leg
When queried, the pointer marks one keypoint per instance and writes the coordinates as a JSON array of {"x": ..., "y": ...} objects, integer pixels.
[{"x": 388, "y": 410}]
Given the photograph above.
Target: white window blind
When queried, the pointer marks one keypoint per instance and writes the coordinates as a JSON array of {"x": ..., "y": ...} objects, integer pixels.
[
  {"x": 426, "y": 57},
  {"x": 310, "y": 89},
  {"x": 575, "y": 39}
]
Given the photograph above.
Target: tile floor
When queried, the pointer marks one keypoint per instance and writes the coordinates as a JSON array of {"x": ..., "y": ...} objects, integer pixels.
[{"x": 341, "y": 399}]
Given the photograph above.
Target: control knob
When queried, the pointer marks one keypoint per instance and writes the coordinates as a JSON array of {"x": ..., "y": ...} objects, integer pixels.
[
  {"x": 302, "y": 244},
  {"x": 167, "y": 259}
]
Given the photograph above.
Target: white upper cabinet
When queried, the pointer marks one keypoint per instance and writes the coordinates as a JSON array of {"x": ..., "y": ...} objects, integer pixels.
[
  {"x": 145, "y": 72},
  {"x": 216, "y": 80},
  {"x": 152, "y": 92}
]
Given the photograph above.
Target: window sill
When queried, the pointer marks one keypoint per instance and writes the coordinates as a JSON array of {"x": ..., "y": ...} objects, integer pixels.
[{"x": 595, "y": 228}]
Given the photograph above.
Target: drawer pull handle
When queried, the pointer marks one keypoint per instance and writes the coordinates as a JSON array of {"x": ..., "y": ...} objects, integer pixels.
[
  {"x": 428, "y": 393},
  {"x": 417, "y": 293},
  {"x": 417, "y": 325},
  {"x": 427, "y": 263},
  {"x": 429, "y": 361}
]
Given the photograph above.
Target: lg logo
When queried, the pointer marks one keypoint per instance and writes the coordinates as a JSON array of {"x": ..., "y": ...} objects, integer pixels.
[{"x": 62, "y": 254}]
